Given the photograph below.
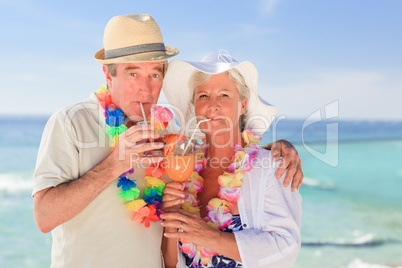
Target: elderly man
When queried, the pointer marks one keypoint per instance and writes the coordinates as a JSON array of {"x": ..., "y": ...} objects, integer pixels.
[{"x": 75, "y": 188}]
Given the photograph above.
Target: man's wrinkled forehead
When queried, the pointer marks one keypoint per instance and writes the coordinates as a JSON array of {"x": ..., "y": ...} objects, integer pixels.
[{"x": 153, "y": 66}]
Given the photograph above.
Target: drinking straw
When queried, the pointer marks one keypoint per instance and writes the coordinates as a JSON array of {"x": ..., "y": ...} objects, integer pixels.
[
  {"x": 143, "y": 114},
  {"x": 192, "y": 136}
]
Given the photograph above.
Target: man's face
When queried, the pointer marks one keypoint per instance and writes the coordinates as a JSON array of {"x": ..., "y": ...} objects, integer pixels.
[{"x": 135, "y": 83}]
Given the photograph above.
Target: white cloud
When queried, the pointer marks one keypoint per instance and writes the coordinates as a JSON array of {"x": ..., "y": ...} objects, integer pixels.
[
  {"x": 45, "y": 85},
  {"x": 25, "y": 8},
  {"x": 28, "y": 77},
  {"x": 267, "y": 7},
  {"x": 255, "y": 31},
  {"x": 361, "y": 94},
  {"x": 14, "y": 3}
]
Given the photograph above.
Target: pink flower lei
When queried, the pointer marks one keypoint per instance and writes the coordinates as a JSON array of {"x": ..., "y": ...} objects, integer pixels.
[
  {"x": 145, "y": 209},
  {"x": 218, "y": 209}
]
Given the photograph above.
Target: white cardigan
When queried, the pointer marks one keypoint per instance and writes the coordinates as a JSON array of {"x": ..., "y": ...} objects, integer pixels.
[{"x": 270, "y": 215}]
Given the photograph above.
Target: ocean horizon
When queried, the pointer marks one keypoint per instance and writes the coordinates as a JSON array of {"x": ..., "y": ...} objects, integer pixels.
[{"x": 352, "y": 212}]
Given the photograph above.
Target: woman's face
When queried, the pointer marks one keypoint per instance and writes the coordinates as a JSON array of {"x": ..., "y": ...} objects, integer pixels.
[{"x": 219, "y": 100}]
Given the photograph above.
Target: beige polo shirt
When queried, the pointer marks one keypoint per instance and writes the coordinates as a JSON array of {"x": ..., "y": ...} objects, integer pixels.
[{"x": 102, "y": 235}]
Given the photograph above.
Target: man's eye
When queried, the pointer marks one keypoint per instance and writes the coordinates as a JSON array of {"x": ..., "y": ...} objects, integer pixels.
[
  {"x": 155, "y": 75},
  {"x": 133, "y": 74},
  {"x": 203, "y": 96},
  {"x": 225, "y": 95}
]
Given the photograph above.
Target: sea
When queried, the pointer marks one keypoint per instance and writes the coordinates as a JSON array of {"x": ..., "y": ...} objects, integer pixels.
[{"x": 352, "y": 192}]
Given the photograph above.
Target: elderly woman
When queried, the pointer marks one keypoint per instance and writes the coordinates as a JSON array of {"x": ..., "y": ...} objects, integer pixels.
[{"x": 235, "y": 213}]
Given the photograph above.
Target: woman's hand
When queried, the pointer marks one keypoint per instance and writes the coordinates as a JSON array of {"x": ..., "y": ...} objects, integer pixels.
[
  {"x": 192, "y": 228},
  {"x": 173, "y": 195}
]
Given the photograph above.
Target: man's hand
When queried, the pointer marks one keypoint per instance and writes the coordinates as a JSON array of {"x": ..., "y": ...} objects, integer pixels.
[
  {"x": 290, "y": 161},
  {"x": 132, "y": 143}
]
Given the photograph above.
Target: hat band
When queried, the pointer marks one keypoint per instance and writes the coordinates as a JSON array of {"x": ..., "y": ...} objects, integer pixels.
[{"x": 126, "y": 51}]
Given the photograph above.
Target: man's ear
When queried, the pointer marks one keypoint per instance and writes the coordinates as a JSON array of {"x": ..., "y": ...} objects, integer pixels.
[{"x": 107, "y": 75}]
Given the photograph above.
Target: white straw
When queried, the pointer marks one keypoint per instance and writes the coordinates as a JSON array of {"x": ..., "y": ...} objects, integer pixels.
[
  {"x": 192, "y": 136},
  {"x": 143, "y": 114}
]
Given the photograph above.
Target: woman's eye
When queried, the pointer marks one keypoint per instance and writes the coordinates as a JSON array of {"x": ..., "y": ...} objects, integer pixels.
[
  {"x": 203, "y": 96},
  {"x": 225, "y": 95}
]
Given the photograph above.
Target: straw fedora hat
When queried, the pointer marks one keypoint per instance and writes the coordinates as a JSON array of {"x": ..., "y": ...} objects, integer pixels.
[
  {"x": 133, "y": 38},
  {"x": 259, "y": 114}
]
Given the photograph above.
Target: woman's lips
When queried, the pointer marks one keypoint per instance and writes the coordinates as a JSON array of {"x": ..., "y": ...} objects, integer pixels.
[{"x": 216, "y": 118}]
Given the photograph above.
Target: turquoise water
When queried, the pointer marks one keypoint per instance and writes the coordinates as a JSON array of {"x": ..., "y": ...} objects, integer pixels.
[
  {"x": 352, "y": 200},
  {"x": 21, "y": 244},
  {"x": 353, "y": 211}
]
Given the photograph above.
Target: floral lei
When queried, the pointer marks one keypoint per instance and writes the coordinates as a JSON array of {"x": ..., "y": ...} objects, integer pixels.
[
  {"x": 145, "y": 209},
  {"x": 218, "y": 209}
]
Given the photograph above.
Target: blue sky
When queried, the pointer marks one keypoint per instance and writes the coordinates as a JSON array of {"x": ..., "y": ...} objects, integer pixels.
[{"x": 309, "y": 54}]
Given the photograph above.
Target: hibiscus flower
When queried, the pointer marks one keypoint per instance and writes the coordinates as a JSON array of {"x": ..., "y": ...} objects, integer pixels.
[{"x": 146, "y": 214}]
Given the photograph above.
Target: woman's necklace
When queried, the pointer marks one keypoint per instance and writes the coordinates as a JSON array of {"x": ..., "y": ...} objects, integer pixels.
[{"x": 218, "y": 209}]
